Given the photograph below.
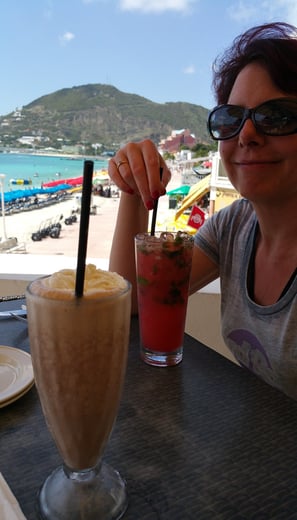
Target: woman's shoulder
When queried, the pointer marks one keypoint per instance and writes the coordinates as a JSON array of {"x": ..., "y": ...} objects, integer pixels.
[
  {"x": 238, "y": 207},
  {"x": 224, "y": 227},
  {"x": 240, "y": 212}
]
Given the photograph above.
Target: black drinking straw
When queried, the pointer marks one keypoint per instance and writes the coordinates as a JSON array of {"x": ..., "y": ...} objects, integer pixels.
[
  {"x": 84, "y": 227},
  {"x": 154, "y": 216}
]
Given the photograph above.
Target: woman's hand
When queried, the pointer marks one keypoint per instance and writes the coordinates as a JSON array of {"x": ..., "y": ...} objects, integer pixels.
[{"x": 135, "y": 169}]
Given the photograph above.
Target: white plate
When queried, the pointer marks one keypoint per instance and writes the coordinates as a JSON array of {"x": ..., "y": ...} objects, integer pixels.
[{"x": 16, "y": 374}]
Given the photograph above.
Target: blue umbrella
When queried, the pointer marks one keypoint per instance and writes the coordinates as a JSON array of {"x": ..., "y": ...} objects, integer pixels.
[{"x": 10, "y": 196}]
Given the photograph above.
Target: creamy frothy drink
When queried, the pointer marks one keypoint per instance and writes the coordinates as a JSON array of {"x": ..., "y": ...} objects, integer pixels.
[{"x": 79, "y": 350}]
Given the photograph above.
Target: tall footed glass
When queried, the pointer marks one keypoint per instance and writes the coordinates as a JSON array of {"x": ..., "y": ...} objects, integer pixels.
[{"x": 79, "y": 351}]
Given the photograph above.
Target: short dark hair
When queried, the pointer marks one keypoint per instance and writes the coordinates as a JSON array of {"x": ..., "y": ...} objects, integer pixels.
[{"x": 274, "y": 45}]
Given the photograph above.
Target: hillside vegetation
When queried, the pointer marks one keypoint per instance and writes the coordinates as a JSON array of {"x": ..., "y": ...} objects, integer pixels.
[{"x": 99, "y": 113}]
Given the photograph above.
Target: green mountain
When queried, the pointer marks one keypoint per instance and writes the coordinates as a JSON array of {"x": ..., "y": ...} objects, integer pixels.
[{"x": 97, "y": 113}]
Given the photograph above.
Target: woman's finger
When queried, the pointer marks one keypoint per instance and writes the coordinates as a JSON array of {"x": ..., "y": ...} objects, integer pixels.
[
  {"x": 136, "y": 169},
  {"x": 118, "y": 171}
]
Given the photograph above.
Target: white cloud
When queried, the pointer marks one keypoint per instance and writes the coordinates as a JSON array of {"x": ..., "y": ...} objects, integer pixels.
[
  {"x": 242, "y": 12},
  {"x": 156, "y": 6},
  {"x": 189, "y": 70},
  {"x": 252, "y": 11},
  {"x": 66, "y": 37}
]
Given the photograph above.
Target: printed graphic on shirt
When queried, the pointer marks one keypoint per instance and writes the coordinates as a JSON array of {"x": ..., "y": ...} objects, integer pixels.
[
  {"x": 251, "y": 354},
  {"x": 252, "y": 348}
]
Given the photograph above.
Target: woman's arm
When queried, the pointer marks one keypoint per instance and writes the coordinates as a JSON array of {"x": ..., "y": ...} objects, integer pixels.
[
  {"x": 204, "y": 270},
  {"x": 132, "y": 218},
  {"x": 135, "y": 169}
]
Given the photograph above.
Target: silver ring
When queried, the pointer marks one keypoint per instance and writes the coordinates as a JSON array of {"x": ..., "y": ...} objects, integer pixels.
[{"x": 119, "y": 163}]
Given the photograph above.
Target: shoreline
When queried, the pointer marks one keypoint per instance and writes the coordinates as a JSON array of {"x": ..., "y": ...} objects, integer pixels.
[
  {"x": 48, "y": 153},
  {"x": 23, "y": 170}
]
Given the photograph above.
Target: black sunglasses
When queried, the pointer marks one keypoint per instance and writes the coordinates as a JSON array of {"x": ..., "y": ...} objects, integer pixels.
[{"x": 275, "y": 117}]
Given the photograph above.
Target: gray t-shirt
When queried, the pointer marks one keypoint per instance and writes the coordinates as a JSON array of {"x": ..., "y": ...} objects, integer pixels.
[{"x": 262, "y": 338}]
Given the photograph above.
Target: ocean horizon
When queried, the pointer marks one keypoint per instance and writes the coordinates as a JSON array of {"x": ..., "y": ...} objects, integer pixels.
[{"x": 42, "y": 168}]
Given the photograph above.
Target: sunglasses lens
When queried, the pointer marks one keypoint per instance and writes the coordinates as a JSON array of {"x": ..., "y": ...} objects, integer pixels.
[
  {"x": 225, "y": 121},
  {"x": 277, "y": 117},
  {"x": 274, "y": 117}
]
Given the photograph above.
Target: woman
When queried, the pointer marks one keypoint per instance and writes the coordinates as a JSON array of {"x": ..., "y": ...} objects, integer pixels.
[{"x": 251, "y": 245}]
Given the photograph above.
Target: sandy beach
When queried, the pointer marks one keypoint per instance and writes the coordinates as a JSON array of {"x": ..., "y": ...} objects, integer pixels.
[{"x": 101, "y": 226}]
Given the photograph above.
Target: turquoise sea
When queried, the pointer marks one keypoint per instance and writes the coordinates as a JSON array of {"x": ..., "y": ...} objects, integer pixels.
[{"x": 41, "y": 168}]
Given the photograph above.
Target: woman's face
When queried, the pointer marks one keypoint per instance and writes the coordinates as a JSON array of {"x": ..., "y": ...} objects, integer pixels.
[{"x": 262, "y": 168}]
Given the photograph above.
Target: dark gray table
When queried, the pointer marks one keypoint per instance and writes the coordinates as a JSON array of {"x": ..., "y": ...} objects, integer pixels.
[{"x": 205, "y": 440}]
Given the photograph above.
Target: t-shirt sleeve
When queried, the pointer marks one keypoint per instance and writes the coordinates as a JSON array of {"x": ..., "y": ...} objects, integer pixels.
[
  {"x": 206, "y": 238},
  {"x": 217, "y": 233}
]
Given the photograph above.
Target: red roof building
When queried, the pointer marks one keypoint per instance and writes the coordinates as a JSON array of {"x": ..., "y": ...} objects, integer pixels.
[{"x": 178, "y": 138}]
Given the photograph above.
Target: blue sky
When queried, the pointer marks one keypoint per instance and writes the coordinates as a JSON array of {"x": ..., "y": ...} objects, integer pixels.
[{"x": 160, "y": 49}]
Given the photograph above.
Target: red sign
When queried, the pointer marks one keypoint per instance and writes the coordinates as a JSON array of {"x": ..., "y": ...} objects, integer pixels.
[{"x": 197, "y": 218}]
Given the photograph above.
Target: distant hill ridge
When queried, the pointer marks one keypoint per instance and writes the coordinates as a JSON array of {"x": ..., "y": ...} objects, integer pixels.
[{"x": 98, "y": 113}]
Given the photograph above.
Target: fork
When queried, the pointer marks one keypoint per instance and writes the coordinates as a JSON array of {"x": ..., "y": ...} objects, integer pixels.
[{"x": 19, "y": 317}]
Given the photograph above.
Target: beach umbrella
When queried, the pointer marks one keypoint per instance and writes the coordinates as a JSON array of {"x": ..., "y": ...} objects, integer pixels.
[
  {"x": 75, "y": 181},
  {"x": 52, "y": 184},
  {"x": 54, "y": 189},
  {"x": 196, "y": 193},
  {"x": 181, "y": 190},
  {"x": 101, "y": 177},
  {"x": 10, "y": 196}
]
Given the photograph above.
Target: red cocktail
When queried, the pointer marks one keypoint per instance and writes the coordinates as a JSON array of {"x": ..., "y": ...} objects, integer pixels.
[{"x": 163, "y": 272}]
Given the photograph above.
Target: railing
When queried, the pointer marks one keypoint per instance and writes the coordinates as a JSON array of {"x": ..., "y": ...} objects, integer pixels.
[{"x": 17, "y": 271}]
